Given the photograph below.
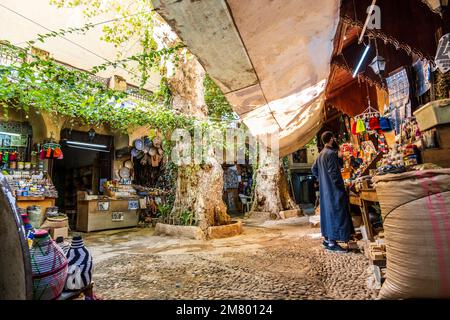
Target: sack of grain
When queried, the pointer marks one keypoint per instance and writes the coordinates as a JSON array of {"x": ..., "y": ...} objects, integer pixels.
[{"x": 416, "y": 213}]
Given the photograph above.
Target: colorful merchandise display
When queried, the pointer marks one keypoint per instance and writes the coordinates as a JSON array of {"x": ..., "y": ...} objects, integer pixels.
[{"x": 31, "y": 184}]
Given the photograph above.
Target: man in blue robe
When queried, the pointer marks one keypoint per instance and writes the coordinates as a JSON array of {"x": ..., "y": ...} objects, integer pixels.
[{"x": 335, "y": 220}]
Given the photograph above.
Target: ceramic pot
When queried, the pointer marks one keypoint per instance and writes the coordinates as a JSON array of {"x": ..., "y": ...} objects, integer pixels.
[
  {"x": 49, "y": 267},
  {"x": 80, "y": 265},
  {"x": 139, "y": 144}
]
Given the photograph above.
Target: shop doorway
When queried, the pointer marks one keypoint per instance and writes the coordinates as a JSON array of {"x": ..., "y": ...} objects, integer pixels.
[
  {"x": 238, "y": 181},
  {"x": 87, "y": 163},
  {"x": 303, "y": 185}
]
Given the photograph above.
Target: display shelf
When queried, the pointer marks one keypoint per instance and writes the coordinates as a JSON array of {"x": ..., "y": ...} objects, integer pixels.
[{"x": 24, "y": 198}]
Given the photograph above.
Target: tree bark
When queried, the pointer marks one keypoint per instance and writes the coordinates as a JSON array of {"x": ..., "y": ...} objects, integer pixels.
[
  {"x": 272, "y": 189},
  {"x": 199, "y": 188}
]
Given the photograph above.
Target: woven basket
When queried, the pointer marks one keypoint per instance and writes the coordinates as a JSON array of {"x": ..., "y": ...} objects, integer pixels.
[
  {"x": 49, "y": 266},
  {"x": 55, "y": 222}
]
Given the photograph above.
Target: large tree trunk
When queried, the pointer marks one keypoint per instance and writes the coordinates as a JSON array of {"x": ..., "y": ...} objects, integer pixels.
[
  {"x": 199, "y": 188},
  {"x": 272, "y": 190}
]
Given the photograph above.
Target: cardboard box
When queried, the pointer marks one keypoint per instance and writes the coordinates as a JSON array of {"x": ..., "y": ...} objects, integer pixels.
[{"x": 59, "y": 232}]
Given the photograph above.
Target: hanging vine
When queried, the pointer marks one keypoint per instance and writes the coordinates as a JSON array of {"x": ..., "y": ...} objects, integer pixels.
[{"x": 44, "y": 85}]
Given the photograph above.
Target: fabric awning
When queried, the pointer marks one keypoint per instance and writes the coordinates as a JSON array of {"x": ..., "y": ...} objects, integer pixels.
[{"x": 271, "y": 58}]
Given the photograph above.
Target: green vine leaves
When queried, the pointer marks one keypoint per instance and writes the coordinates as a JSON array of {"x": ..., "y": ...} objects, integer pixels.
[{"x": 44, "y": 85}]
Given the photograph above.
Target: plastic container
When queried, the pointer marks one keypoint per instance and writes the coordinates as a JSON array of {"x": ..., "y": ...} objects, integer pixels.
[{"x": 433, "y": 114}]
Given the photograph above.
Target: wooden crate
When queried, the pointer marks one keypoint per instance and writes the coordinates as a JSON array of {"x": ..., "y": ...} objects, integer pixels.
[
  {"x": 440, "y": 157},
  {"x": 89, "y": 218},
  {"x": 443, "y": 136}
]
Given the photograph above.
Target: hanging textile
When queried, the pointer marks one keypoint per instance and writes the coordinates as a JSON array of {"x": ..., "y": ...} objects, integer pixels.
[
  {"x": 360, "y": 126},
  {"x": 374, "y": 123},
  {"x": 354, "y": 128},
  {"x": 422, "y": 70},
  {"x": 385, "y": 124},
  {"x": 398, "y": 87}
]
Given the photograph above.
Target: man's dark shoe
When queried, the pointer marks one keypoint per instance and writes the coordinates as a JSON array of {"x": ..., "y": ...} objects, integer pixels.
[
  {"x": 325, "y": 244},
  {"x": 336, "y": 248}
]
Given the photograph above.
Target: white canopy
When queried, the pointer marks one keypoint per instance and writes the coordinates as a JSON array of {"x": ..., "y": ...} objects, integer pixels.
[{"x": 270, "y": 57}]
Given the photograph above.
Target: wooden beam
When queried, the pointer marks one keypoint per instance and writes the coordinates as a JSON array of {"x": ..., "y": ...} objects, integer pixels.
[{"x": 341, "y": 88}]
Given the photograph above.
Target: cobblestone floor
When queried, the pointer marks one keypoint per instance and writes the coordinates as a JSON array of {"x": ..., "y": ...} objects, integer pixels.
[{"x": 269, "y": 261}]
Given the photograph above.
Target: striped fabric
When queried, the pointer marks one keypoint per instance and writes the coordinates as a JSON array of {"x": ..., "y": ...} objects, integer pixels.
[{"x": 80, "y": 265}]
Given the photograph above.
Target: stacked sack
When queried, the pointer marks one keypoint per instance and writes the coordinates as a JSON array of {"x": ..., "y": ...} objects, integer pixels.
[{"x": 416, "y": 213}]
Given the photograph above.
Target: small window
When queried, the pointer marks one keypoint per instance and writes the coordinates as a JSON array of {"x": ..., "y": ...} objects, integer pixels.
[{"x": 300, "y": 156}]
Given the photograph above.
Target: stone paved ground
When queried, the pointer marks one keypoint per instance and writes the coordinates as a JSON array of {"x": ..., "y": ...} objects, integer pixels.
[{"x": 274, "y": 260}]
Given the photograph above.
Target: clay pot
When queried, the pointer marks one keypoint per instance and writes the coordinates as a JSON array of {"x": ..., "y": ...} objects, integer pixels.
[{"x": 139, "y": 144}]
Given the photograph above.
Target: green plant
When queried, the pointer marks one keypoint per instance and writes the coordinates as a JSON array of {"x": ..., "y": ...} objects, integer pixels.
[
  {"x": 46, "y": 86},
  {"x": 218, "y": 106},
  {"x": 186, "y": 218},
  {"x": 163, "y": 212}
]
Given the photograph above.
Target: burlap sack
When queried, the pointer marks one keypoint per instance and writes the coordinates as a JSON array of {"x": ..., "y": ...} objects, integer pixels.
[{"x": 416, "y": 219}]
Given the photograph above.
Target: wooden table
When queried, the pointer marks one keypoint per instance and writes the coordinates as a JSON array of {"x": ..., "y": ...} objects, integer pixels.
[
  {"x": 91, "y": 218},
  {"x": 362, "y": 200}
]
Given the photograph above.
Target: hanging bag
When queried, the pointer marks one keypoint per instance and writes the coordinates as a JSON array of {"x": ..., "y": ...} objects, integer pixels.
[{"x": 360, "y": 127}]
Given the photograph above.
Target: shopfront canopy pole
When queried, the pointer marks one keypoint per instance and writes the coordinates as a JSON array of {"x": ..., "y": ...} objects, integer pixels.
[{"x": 369, "y": 13}]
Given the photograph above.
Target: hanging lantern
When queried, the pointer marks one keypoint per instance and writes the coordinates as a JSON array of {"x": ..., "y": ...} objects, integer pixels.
[
  {"x": 378, "y": 65},
  {"x": 91, "y": 134}
]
